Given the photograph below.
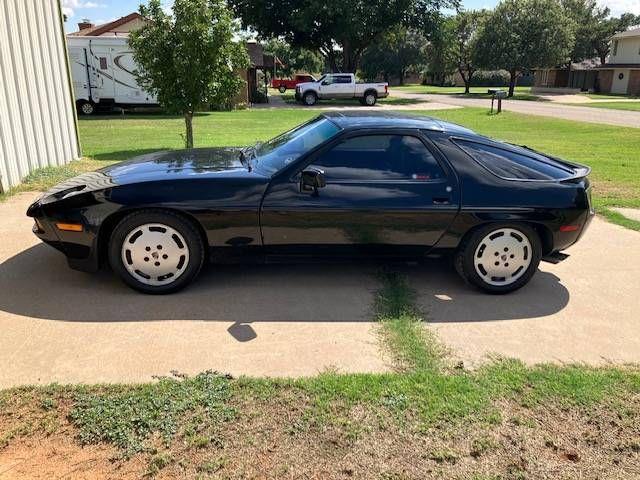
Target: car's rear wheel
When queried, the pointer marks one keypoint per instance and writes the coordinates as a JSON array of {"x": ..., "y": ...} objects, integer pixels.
[
  {"x": 499, "y": 258},
  {"x": 310, "y": 99},
  {"x": 282, "y": 89},
  {"x": 156, "y": 252}
]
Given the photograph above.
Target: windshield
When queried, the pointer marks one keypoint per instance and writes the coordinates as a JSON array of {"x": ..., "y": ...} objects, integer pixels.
[{"x": 280, "y": 151}]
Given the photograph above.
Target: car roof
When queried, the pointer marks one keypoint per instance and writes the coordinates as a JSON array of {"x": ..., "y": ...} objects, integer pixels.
[{"x": 356, "y": 119}]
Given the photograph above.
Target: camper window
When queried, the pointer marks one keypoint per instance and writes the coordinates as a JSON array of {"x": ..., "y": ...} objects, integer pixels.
[{"x": 103, "y": 63}]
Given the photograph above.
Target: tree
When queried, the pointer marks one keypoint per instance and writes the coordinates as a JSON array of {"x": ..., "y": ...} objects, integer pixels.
[
  {"x": 466, "y": 26},
  {"x": 605, "y": 29},
  {"x": 294, "y": 59},
  {"x": 396, "y": 53},
  {"x": 338, "y": 29},
  {"x": 441, "y": 50},
  {"x": 189, "y": 59},
  {"x": 523, "y": 34},
  {"x": 585, "y": 15}
]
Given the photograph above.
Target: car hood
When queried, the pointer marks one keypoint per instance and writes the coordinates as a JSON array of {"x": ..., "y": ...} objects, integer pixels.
[
  {"x": 152, "y": 167},
  {"x": 306, "y": 84},
  {"x": 197, "y": 160}
]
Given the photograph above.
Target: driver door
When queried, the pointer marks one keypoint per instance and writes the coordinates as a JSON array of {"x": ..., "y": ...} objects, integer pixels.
[
  {"x": 381, "y": 191},
  {"x": 330, "y": 87}
]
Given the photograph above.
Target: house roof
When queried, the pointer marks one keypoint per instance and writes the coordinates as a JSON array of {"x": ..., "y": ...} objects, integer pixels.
[
  {"x": 106, "y": 27},
  {"x": 634, "y": 32}
]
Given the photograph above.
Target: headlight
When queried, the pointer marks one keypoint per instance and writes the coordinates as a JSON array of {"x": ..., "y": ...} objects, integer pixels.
[{"x": 69, "y": 192}]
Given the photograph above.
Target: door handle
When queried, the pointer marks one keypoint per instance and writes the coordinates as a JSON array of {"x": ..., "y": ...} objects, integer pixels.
[{"x": 440, "y": 200}]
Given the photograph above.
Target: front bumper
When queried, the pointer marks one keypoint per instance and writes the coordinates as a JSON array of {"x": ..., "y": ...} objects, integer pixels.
[{"x": 80, "y": 248}]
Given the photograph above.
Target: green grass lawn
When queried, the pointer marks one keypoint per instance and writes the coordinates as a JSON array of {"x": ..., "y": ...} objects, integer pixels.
[
  {"x": 521, "y": 93},
  {"x": 633, "y": 106},
  {"x": 609, "y": 96}
]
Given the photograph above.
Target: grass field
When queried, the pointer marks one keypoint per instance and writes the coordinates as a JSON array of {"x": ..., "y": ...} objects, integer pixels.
[
  {"x": 609, "y": 96},
  {"x": 633, "y": 106},
  {"x": 521, "y": 93},
  {"x": 427, "y": 418}
]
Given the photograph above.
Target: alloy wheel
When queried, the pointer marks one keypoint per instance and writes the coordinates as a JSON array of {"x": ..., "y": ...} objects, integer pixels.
[
  {"x": 502, "y": 256},
  {"x": 155, "y": 254}
]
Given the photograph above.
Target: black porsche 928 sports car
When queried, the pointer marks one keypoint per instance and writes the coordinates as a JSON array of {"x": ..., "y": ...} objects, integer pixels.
[{"x": 341, "y": 184}]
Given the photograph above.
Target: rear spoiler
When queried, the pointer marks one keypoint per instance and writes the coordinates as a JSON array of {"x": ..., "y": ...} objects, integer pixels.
[{"x": 579, "y": 170}]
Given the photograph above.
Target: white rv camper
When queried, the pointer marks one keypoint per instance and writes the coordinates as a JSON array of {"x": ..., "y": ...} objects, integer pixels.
[{"x": 102, "y": 69}]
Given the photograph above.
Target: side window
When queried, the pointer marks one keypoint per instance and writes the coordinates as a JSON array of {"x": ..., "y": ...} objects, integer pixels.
[
  {"x": 103, "y": 63},
  {"x": 344, "y": 79},
  {"x": 380, "y": 157},
  {"x": 513, "y": 165}
]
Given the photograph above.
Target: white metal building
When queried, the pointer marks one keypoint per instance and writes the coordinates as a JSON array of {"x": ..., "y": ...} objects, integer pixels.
[{"x": 37, "y": 117}]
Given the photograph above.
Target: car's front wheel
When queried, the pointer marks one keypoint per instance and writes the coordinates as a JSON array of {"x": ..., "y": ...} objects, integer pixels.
[
  {"x": 282, "y": 89},
  {"x": 499, "y": 258},
  {"x": 156, "y": 252},
  {"x": 310, "y": 99}
]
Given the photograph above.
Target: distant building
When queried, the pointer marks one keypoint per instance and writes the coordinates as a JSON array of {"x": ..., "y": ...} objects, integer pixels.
[
  {"x": 117, "y": 28},
  {"x": 582, "y": 76},
  {"x": 621, "y": 73}
]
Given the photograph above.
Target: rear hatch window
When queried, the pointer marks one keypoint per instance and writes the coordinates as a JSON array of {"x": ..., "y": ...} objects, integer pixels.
[{"x": 518, "y": 163}]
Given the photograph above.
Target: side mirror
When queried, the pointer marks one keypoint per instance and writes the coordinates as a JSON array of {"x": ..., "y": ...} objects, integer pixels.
[
  {"x": 325, "y": 83},
  {"x": 311, "y": 180}
]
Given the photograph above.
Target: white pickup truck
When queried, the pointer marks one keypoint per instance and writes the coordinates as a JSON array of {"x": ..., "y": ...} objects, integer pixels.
[{"x": 340, "y": 85}]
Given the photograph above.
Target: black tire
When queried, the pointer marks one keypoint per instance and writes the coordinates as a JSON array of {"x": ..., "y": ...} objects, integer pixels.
[
  {"x": 464, "y": 259},
  {"x": 188, "y": 231},
  {"x": 282, "y": 89},
  {"x": 369, "y": 99},
  {"x": 85, "y": 107},
  {"x": 309, "y": 99}
]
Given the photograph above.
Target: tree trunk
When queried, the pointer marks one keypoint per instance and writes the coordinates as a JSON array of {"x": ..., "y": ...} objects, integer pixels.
[
  {"x": 350, "y": 57},
  {"x": 513, "y": 76},
  {"x": 603, "y": 57},
  {"x": 188, "y": 123},
  {"x": 401, "y": 77},
  {"x": 465, "y": 79},
  {"x": 467, "y": 83}
]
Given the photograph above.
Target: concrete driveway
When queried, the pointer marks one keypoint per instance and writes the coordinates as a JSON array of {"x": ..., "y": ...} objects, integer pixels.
[{"x": 291, "y": 320}]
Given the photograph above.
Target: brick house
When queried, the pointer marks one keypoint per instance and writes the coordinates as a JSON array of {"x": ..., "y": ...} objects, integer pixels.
[
  {"x": 621, "y": 73},
  {"x": 118, "y": 28}
]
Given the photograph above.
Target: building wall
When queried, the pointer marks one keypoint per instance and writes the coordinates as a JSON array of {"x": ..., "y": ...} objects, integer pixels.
[
  {"x": 628, "y": 50},
  {"x": 37, "y": 118},
  {"x": 605, "y": 77},
  {"x": 634, "y": 83}
]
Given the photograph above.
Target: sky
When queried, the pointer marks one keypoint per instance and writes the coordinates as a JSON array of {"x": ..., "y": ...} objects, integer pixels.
[{"x": 103, "y": 11}]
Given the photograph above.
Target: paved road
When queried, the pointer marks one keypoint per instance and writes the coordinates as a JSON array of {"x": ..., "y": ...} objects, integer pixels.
[
  {"x": 293, "y": 320},
  {"x": 547, "y": 109}
]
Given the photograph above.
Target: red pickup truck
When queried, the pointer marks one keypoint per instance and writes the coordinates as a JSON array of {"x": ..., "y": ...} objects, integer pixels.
[{"x": 282, "y": 84}]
